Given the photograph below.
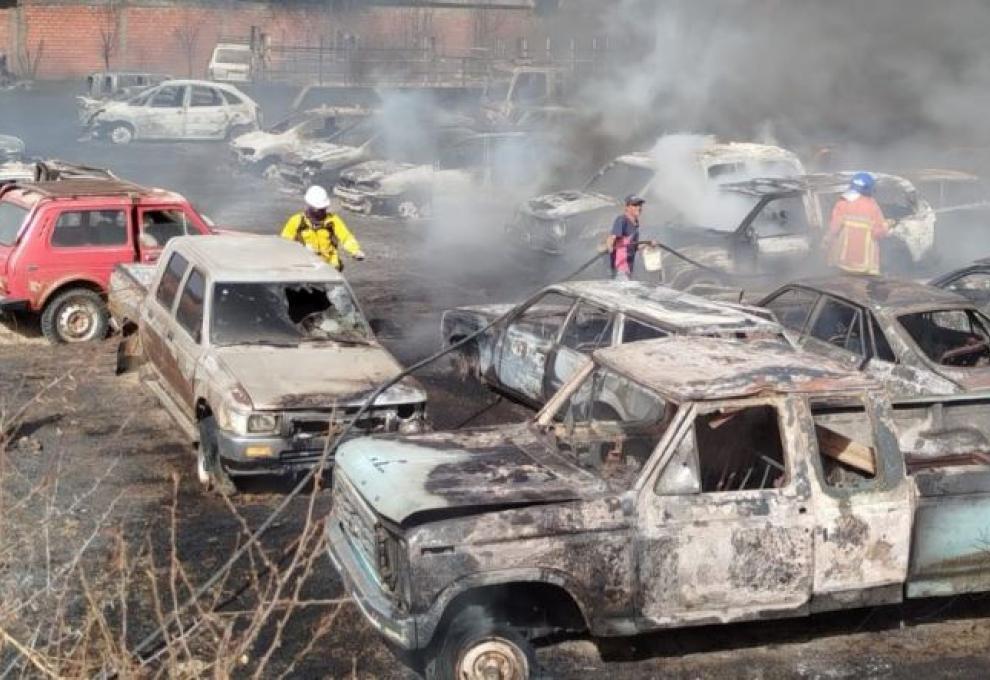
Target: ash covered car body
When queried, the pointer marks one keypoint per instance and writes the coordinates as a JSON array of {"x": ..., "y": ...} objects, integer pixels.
[
  {"x": 178, "y": 110},
  {"x": 49, "y": 170},
  {"x": 971, "y": 281},
  {"x": 961, "y": 201},
  {"x": 104, "y": 86},
  {"x": 569, "y": 219},
  {"x": 472, "y": 165},
  {"x": 295, "y": 134},
  {"x": 782, "y": 225},
  {"x": 670, "y": 483},
  {"x": 322, "y": 161},
  {"x": 541, "y": 342},
  {"x": 259, "y": 351},
  {"x": 915, "y": 338}
]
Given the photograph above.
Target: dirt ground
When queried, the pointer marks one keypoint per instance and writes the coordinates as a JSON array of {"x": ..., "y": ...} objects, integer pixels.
[{"x": 108, "y": 454}]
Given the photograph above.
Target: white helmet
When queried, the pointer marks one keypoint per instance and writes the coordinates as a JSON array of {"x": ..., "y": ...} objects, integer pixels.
[{"x": 317, "y": 198}]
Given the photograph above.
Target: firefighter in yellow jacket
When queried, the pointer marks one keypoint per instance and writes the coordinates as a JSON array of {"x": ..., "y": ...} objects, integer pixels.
[{"x": 321, "y": 231}]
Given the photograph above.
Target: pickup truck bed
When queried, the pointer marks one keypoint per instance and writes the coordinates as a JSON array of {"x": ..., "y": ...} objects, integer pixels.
[{"x": 128, "y": 286}]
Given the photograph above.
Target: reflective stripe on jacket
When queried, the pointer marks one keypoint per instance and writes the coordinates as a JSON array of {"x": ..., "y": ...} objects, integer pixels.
[
  {"x": 854, "y": 233},
  {"x": 323, "y": 239}
]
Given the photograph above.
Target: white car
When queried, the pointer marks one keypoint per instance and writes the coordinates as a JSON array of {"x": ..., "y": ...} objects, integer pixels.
[
  {"x": 177, "y": 109},
  {"x": 231, "y": 63}
]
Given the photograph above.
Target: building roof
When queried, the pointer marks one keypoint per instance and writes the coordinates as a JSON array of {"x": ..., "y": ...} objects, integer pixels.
[
  {"x": 675, "y": 308},
  {"x": 693, "y": 368},
  {"x": 884, "y": 293},
  {"x": 246, "y": 257}
]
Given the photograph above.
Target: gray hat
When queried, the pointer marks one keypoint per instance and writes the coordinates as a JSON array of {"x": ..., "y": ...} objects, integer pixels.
[{"x": 633, "y": 199}]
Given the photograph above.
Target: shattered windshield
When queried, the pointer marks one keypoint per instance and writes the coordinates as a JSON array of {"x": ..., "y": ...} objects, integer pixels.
[
  {"x": 951, "y": 337},
  {"x": 619, "y": 180},
  {"x": 11, "y": 218},
  {"x": 286, "y": 314},
  {"x": 287, "y": 124},
  {"x": 610, "y": 426},
  {"x": 355, "y": 132}
]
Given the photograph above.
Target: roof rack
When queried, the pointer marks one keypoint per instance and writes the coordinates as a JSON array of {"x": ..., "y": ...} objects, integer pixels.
[{"x": 74, "y": 188}]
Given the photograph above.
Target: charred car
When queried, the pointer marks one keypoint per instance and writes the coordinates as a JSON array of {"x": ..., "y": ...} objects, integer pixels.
[
  {"x": 578, "y": 219},
  {"x": 961, "y": 201},
  {"x": 50, "y": 170},
  {"x": 782, "y": 228},
  {"x": 670, "y": 483},
  {"x": 296, "y": 134},
  {"x": 176, "y": 109},
  {"x": 322, "y": 161},
  {"x": 258, "y": 350},
  {"x": 915, "y": 338},
  {"x": 971, "y": 281},
  {"x": 106, "y": 86},
  {"x": 543, "y": 341},
  {"x": 478, "y": 162}
]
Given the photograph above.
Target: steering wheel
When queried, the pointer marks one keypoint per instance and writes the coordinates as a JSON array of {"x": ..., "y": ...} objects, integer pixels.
[{"x": 965, "y": 350}]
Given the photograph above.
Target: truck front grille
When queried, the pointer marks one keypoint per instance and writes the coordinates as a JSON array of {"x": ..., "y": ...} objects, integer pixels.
[{"x": 354, "y": 522}]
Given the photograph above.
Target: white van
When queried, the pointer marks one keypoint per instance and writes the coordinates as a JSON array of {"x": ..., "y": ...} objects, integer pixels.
[{"x": 231, "y": 62}]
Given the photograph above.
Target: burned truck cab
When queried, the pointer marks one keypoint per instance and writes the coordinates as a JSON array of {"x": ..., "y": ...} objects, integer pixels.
[{"x": 672, "y": 482}]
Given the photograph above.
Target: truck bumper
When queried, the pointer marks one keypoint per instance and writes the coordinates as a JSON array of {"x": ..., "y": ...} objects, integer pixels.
[
  {"x": 244, "y": 456},
  {"x": 10, "y": 305},
  {"x": 380, "y": 612}
]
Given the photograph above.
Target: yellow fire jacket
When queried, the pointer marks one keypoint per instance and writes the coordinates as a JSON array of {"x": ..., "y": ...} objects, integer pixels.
[{"x": 323, "y": 239}]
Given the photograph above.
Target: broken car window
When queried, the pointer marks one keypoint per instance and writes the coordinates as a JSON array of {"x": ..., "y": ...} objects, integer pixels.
[
  {"x": 169, "y": 285},
  {"x": 610, "y": 426},
  {"x": 793, "y": 307},
  {"x": 189, "y": 313},
  {"x": 205, "y": 96},
  {"x": 883, "y": 350},
  {"x": 231, "y": 98},
  {"x": 740, "y": 449},
  {"x": 841, "y": 325},
  {"x": 633, "y": 331},
  {"x": 845, "y": 444},
  {"x": 590, "y": 328},
  {"x": 286, "y": 314},
  {"x": 168, "y": 97},
  {"x": 11, "y": 218},
  {"x": 544, "y": 317},
  {"x": 618, "y": 180},
  {"x": 952, "y": 337}
]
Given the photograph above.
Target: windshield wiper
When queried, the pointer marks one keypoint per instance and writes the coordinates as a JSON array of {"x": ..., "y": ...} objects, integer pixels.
[{"x": 267, "y": 343}]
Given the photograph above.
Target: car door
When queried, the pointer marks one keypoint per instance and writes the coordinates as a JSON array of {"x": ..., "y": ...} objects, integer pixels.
[
  {"x": 84, "y": 244},
  {"x": 863, "y": 507},
  {"x": 525, "y": 343},
  {"x": 184, "y": 343},
  {"x": 156, "y": 317},
  {"x": 207, "y": 116},
  {"x": 725, "y": 530},
  {"x": 589, "y": 327},
  {"x": 164, "y": 115}
]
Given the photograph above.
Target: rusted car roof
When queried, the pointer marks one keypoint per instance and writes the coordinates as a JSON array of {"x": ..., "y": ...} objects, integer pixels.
[
  {"x": 880, "y": 292},
  {"x": 255, "y": 258},
  {"x": 691, "y": 368},
  {"x": 675, "y": 307}
]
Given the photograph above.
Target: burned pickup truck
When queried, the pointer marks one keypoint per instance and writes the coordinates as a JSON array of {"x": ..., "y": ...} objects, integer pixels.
[
  {"x": 258, "y": 350},
  {"x": 673, "y": 482},
  {"x": 538, "y": 345},
  {"x": 781, "y": 229}
]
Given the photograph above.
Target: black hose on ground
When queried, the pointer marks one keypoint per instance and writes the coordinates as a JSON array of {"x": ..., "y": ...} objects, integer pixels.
[{"x": 149, "y": 645}]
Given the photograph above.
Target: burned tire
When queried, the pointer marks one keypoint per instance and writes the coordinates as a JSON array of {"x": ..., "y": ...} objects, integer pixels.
[
  {"x": 477, "y": 647},
  {"x": 75, "y": 315},
  {"x": 121, "y": 133},
  {"x": 209, "y": 469}
]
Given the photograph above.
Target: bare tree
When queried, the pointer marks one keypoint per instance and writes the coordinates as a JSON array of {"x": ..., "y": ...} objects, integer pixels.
[
  {"x": 187, "y": 34},
  {"x": 109, "y": 31},
  {"x": 29, "y": 59}
]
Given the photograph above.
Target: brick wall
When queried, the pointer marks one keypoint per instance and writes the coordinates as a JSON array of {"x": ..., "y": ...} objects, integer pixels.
[{"x": 155, "y": 37}]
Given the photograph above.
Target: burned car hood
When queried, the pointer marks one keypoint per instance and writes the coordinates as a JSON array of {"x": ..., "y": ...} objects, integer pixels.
[
  {"x": 376, "y": 171},
  {"x": 256, "y": 139},
  {"x": 564, "y": 204},
  {"x": 323, "y": 152},
  {"x": 315, "y": 376},
  {"x": 499, "y": 466}
]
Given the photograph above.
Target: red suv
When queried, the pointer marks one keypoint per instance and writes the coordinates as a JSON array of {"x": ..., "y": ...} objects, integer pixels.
[{"x": 59, "y": 242}]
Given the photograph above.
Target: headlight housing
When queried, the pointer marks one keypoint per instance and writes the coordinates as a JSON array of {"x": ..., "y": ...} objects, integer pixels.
[{"x": 254, "y": 423}]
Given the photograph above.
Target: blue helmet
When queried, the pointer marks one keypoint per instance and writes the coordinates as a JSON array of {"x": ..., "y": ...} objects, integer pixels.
[{"x": 862, "y": 182}]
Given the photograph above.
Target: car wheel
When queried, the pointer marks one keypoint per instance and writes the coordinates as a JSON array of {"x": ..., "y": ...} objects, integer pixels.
[
  {"x": 121, "y": 134},
  {"x": 76, "y": 315},
  {"x": 209, "y": 469},
  {"x": 477, "y": 647}
]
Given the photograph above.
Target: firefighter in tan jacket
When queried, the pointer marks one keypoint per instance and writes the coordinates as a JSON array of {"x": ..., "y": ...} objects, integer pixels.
[
  {"x": 321, "y": 231},
  {"x": 856, "y": 228}
]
